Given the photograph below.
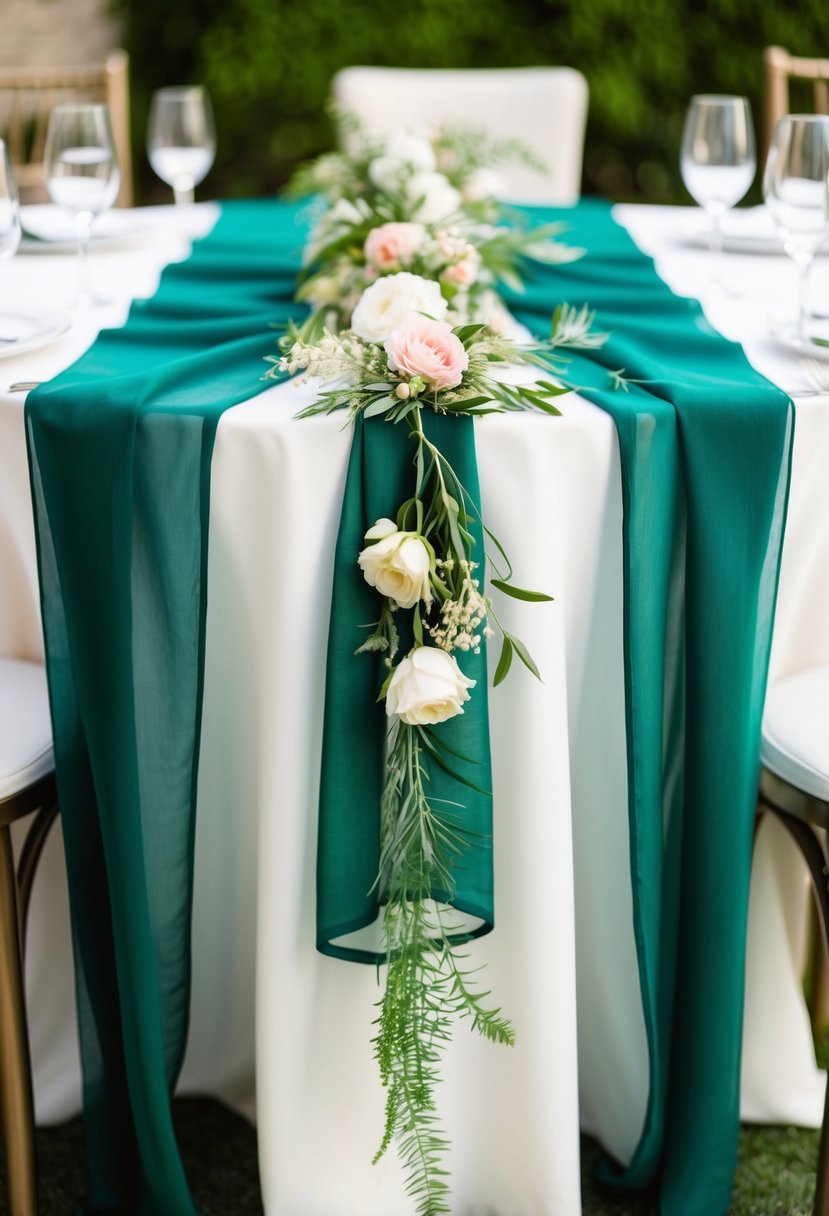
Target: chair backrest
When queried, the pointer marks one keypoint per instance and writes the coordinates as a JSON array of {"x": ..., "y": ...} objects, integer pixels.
[
  {"x": 544, "y": 107},
  {"x": 778, "y": 68},
  {"x": 27, "y": 96}
]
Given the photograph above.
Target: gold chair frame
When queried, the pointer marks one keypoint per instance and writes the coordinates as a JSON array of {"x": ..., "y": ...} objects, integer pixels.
[
  {"x": 16, "y": 1101},
  {"x": 778, "y": 68},
  {"x": 806, "y": 818},
  {"x": 30, "y": 94}
]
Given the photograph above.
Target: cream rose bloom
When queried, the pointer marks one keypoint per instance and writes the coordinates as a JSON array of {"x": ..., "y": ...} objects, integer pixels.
[
  {"x": 386, "y": 304},
  {"x": 428, "y": 349},
  {"x": 427, "y": 687},
  {"x": 397, "y": 564}
]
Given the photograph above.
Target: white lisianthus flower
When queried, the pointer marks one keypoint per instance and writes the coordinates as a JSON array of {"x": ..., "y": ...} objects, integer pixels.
[
  {"x": 427, "y": 687},
  {"x": 397, "y": 564},
  {"x": 386, "y": 304},
  {"x": 435, "y": 196}
]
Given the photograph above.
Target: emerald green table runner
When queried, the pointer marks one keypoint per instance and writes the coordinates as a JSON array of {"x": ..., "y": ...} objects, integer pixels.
[
  {"x": 120, "y": 448},
  {"x": 705, "y": 448}
]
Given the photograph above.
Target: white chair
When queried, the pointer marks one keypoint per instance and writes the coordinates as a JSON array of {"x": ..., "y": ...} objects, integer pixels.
[
  {"x": 27, "y": 786},
  {"x": 544, "y": 107},
  {"x": 794, "y": 786}
]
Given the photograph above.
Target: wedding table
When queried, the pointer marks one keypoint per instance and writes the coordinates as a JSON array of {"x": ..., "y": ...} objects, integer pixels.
[{"x": 283, "y": 1032}]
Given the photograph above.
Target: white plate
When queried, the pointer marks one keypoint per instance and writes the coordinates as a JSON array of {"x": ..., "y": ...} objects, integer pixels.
[
  {"x": 28, "y": 332},
  {"x": 50, "y": 229},
  {"x": 746, "y": 230},
  {"x": 786, "y": 336}
]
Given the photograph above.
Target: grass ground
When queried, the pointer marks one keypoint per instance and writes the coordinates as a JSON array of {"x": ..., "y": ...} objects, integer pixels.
[{"x": 775, "y": 1177}]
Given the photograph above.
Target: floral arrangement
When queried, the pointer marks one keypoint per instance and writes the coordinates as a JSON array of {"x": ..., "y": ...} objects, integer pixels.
[
  {"x": 425, "y": 207},
  {"x": 400, "y": 276}
]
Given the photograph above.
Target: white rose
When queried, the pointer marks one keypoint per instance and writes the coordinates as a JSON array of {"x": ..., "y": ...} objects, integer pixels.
[
  {"x": 398, "y": 564},
  {"x": 386, "y": 304},
  {"x": 427, "y": 687},
  {"x": 436, "y": 195}
]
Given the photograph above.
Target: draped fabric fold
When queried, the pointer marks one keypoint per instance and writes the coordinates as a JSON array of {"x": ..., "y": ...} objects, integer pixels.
[
  {"x": 380, "y": 479},
  {"x": 120, "y": 448},
  {"x": 705, "y": 445}
]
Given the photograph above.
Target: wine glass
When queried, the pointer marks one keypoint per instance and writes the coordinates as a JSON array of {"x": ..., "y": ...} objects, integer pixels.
[
  {"x": 181, "y": 141},
  {"x": 718, "y": 159},
  {"x": 9, "y": 230},
  {"x": 82, "y": 173},
  {"x": 796, "y": 190},
  {"x": 9, "y": 207}
]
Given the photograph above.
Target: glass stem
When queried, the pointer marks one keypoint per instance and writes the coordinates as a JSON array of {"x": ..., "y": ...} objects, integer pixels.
[
  {"x": 715, "y": 249},
  {"x": 804, "y": 265},
  {"x": 83, "y": 225},
  {"x": 184, "y": 191}
]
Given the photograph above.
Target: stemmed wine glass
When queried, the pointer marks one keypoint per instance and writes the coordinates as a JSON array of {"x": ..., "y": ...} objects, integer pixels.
[
  {"x": 9, "y": 207},
  {"x": 718, "y": 159},
  {"x": 9, "y": 227},
  {"x": 181, "y": 141},
  {"x": 82, "y": 173},
  {"x": 796, "y": 190}
]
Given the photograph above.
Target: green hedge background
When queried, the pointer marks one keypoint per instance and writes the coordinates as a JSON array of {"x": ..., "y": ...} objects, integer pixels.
[{"x": 267, "y": 65}]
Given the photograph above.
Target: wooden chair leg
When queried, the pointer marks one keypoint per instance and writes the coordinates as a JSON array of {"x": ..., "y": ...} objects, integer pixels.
[
  {"x": 27, "y": 865},
  {"x": 16, "y": 1104},
  {"x": 815, "y": 857}
]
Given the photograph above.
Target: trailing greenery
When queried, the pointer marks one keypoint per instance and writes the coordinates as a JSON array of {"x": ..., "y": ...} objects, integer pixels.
[
  {"x": 426, "y": 987},
  {"x": 268, "y": 66}
]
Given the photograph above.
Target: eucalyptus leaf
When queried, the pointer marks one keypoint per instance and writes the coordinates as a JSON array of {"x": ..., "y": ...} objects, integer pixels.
[
  {"x": 525, "y": 656},
  {"x": 519, "y": 593},
  {"x": 379, "y": 407},
  {"x": 504, "y": 662}
]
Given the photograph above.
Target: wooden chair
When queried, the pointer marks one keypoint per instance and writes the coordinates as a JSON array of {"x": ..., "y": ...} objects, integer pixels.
[
  {"x": 27, "y": 96},
  {"x": 546, "y": 108},
  {"x": 27, "y": 787},
  {"x": 794, "y": 787},
  {"x": 779, "y": 67}
]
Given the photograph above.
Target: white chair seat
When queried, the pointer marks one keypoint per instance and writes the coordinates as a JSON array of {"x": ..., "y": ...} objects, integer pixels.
[
  {"x": 26, "y": 753},
  {"x": 796, "y": 731},
  {"x": 544, "y": 107}
]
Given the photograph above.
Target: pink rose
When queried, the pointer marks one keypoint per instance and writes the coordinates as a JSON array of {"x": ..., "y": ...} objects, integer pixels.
[
  {"x": 429, "y": 349},
  {"x": 393, "y": 245}
]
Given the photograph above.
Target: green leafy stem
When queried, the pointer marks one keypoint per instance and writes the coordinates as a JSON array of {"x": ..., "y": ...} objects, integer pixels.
[{"x": 427, "y": 987}]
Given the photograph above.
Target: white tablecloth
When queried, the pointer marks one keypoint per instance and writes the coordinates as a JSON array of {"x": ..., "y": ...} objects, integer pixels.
[{"x": 563, "y": 903}]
